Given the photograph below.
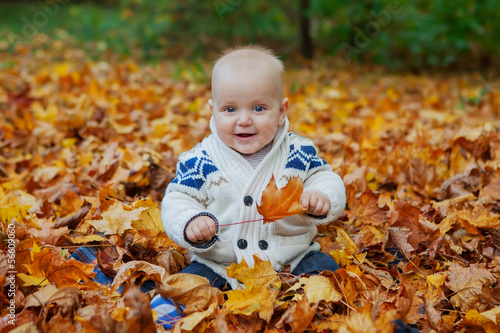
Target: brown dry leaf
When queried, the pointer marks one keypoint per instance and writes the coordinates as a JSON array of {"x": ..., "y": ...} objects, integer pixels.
[
  {"x": 397, "y": 299},
  {"x": 370, "y": 236},
  {"x": 435, "y": 318},
  {"x": 73, "y": 220},
  {"x": 365, "y": 209},
  {"x": 407, "y": 216},
  {"x": 480, "y": 217},
  {"x": 193, "y": 291},
  {"x": 279, "y": 203},
  {"x": 133, "y": 270},
  {"x": 67, "y": 299},
  {"x": 71, "y": 203},
  {"x": 41, "y": 297},
  {"x": 329, "y": 324},
  {"x": 348, "y": 283},
  {"x": 493, "y": 190},
  {"x": 192, "y": 321},
  {"x": 59, "y": 324},
  {"x": 49, "y": 234},
  {"x": 262, "y": 285},
  {"x": 363, "y": 321},
  {"x": 107, "y": 196},
  {"x": 171, "y": 259},
  {"x": 139, "y": 317},
  {"x": 298, "y": 316},
  {"x": 29, "y": 327},
  {"x": 467, "y": 283}
]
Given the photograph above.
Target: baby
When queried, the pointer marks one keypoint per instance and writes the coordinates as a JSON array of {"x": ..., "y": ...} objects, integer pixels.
[{"x": 221, "y": 180}]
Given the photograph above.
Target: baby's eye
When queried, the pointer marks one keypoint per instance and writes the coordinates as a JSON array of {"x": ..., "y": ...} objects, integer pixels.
[
  {"x": 230, "y": 109},
  {"x": 259, "y": 108}
]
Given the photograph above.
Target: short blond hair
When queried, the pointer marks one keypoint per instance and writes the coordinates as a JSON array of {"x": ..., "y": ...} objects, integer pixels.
[{"x": 253, "y": 52}]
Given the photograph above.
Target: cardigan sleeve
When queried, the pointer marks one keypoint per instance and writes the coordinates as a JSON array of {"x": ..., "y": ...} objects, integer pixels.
[
  {"x": 186, "y": 198},
  {"x": 324, "y": 181},
  {"x": 317, "y": 176}
]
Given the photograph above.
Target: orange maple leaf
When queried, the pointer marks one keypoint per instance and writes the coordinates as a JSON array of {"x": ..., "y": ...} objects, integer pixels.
[
  {"x": 279, "y": 203},
  {"x": 51, "y": 266}
]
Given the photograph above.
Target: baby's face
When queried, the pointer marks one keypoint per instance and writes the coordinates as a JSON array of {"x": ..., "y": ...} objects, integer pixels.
[{"x": 248, "y": 106}]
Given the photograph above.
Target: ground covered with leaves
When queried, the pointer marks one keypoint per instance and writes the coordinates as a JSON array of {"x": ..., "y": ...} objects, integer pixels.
[{"x": 88, "y": 147}]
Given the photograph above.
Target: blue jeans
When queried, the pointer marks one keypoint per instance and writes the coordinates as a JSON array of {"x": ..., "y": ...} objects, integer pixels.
[{"x": 313, "y": 263}]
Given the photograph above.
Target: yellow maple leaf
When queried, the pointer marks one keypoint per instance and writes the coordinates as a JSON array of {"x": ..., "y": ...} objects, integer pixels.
[
  {"x": 116, "y": 220},
  {"x": 30, "y": 280},
  {"x": 16, "y": 204},
  {"x": 487, "y": 320},
  {"x": 150, "y": 217},
  {"x": 480, "y": 217},
  {"x": 345, "y": 242},
  {"x": 316, "y": 288},
  {"x": 262, "y": 285},
  {"x": 34, "y": 250}
]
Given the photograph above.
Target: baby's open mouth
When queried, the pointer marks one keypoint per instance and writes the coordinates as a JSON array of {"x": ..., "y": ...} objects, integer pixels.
[{"x": 245, "y": 135}]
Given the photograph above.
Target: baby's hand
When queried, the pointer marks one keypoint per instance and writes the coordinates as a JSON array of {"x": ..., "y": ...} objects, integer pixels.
[
  {"x": 200, "y": 229},
  {"x": 317, "y": 204}
]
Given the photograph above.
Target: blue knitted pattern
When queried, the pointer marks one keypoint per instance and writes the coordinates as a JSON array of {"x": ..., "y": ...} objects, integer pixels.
[
  {"x": 194, "y": 171},
  {"x": 303, "y": 158}
]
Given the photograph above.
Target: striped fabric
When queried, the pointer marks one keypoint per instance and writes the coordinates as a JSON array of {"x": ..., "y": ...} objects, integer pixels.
[
  {"x": 87, "y": 255},
  {"x": 166, "y": 311},
  {"x": 257, "y": 157}
]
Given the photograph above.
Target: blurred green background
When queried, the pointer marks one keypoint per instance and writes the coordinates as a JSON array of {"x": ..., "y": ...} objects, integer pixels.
[{"x": 399, "y": 34}]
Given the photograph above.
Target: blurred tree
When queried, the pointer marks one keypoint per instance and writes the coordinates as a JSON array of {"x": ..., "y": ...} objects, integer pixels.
[
  {"x": 307, "y": 45},
  {"x": 398, "y": 33}
]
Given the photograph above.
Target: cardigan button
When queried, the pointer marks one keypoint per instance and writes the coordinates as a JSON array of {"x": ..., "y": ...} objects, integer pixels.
[
  {"x": 248, "y": 200},
  {"x": 242, "y": 244},
  {"x": 263, "y": 245}
]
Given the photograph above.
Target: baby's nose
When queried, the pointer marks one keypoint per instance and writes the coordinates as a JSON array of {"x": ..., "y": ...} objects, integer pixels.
[{"x": 244, "y": 119}]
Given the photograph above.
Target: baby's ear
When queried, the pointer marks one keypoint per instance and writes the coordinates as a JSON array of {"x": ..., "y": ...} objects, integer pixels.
[
  {"x": 283, "y": 110},
  {"x": 211, "y": 103}
]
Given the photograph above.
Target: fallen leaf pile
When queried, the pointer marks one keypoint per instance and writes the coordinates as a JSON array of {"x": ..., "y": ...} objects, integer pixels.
[{"x": 88, "y": 147}]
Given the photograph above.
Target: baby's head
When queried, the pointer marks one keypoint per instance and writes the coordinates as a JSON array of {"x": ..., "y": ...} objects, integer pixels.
[{"x": 248, "y": 102}]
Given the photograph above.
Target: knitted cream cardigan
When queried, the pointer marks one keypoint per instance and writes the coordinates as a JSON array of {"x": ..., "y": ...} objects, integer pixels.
[{"x": 214, "y": 180}]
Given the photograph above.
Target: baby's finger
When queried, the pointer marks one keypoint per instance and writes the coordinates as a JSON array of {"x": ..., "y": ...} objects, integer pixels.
[
  {"x": 206, "y": 232},
  {"x": 322, "y": 209},
  {"x": 190, "y": 234},
  {"x": 198, "y": 232},
  {"x": 304, "y": 200},
  {"x": 211, "y": 228},
  {"x": 313, "y": 204}
]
